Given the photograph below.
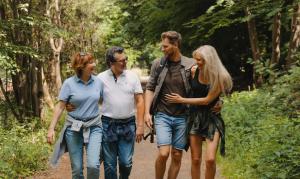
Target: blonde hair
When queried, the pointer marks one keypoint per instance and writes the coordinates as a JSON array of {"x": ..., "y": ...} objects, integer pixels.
[{"x": 214, "y": 71}]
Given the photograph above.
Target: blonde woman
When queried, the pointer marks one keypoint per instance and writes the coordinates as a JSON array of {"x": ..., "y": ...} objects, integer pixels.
[{"x": 209, "y": 80}]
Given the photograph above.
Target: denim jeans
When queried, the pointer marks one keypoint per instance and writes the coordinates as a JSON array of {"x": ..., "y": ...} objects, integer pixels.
[
  {"x": 119, "y": 149},
  {"x": 75, "y": 147},
  {"x": 170, "y": 130}
]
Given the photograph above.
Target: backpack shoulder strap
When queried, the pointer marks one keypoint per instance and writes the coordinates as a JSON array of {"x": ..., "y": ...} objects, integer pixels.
[{"x": 162, "y": 64}]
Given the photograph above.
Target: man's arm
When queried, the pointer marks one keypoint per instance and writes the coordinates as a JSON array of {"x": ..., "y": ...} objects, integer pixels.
[
  {"x": 149, "y": 94},
  {"x": 148, "y": 101},
  {"x": 140, "y": 109}
]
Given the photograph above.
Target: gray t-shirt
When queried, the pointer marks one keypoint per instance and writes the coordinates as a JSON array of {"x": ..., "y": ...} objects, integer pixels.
[{"x": 173, "y": 83}]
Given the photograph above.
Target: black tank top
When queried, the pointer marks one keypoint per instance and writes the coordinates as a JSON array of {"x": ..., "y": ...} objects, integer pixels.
[{"x": 200, "y": 90}]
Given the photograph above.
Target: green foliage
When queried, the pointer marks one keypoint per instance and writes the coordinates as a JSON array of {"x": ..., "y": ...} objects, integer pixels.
[
  {"x": 286, "y": 93},
  {"x": 261, "y": 126},
  {"x": 8, "y": 51},
  {"x": 22, "y": 151}
]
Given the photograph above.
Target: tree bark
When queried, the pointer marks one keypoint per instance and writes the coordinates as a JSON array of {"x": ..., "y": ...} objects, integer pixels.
[
  {"x": 276, "y": 39},
  {"x": 295, "y": 36},
  {"x": 47, "y": 96},
  {"x": 11, "y": 106},
  {"x": 2, "y": 11},
  {"x": 56, "y": 46},
  {"x": 258, "y": 80},
  {"x": 35, "y": 90}
]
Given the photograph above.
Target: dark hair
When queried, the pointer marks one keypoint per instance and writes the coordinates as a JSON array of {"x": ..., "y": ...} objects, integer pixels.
[
  {"x": 110, "y": 54},
  {"x": 80, "y": 60},
  {"x": 173, "y": 36}
]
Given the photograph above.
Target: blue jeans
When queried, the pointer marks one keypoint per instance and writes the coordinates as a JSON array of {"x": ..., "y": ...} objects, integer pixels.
[
  {"x": 118, "y": 145},
  {"x": 75, "y": 147},
  {"x": 170, "y": 130}
]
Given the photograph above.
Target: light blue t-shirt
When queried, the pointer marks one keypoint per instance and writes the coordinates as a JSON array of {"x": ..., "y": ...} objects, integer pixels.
[{"x": 85, "y": 97}]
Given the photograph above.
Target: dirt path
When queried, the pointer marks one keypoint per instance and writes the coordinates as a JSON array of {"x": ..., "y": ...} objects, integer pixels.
[{"x": 143, "y": 165}]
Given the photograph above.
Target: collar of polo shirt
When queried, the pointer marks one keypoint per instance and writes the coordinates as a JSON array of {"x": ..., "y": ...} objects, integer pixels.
[{"x": 80, "y": 81}]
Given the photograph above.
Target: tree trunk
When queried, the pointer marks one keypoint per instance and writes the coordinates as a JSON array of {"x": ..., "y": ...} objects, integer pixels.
[
  {"x": 258, "y": 80},
  {"x": 47, "y": 96},
  {"x": 2, "y": 11},
  {"x": 10, "y": 105},
  {"x": 276, "y": 39},
  {"x": 24, "y": 81},
  {"x": 56, "y": 46},
  {"x": 43, "y": 89},
  {"x": 40, "y": 93},
  {"x": 295, "y": 36}
]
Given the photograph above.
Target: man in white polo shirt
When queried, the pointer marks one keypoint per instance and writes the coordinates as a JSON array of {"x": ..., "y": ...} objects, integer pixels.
[{"x": 122, "y": 94}]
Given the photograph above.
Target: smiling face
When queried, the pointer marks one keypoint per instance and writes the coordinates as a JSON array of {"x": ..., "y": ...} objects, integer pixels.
[
  {"x": 89, "y": 68},
  {"x": 83, "y": 64},
  {"x": 199, "y": 60},
  {"x": 119, "y": 65}
]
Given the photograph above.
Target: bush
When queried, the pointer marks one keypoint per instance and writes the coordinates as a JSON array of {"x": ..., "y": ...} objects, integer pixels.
[
  {"x": 22, "y": 151},
  {"x": 262, "y": 127}
]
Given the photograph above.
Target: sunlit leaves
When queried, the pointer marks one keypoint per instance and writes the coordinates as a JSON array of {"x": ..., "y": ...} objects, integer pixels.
[{"x": 261, "y": 126}]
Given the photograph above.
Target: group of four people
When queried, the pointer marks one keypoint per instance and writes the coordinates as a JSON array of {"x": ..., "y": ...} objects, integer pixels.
[{"x": 180, "y": 94}]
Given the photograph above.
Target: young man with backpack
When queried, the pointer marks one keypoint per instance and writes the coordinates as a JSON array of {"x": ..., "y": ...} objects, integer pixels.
[{"x": 169, "y": 74}]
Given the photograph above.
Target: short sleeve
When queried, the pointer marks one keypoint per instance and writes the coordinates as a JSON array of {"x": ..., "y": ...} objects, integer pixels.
[
  {"x": 65, "y": 92},
  {"x": 137, "y": 85},
  {"x": 152, "y": 80}
]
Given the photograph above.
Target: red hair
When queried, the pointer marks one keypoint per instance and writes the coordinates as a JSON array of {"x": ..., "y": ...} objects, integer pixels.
[{"x": 80, "y": 60}]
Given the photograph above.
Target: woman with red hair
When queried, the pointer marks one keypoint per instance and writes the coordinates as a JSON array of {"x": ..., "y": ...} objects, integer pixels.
[{"x": 83, "y": 125}]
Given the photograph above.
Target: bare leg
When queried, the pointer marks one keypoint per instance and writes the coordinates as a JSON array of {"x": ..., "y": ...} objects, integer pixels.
[
  {"x": 161, "y": 160},
  {"x": 175, "y": 163},
  {"x": 211, "y": 151},
  {"x": 196, "y": 153}
]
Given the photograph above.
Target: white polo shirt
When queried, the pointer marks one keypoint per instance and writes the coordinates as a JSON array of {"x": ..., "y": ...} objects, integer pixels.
[{"x": 118, "y": 96}]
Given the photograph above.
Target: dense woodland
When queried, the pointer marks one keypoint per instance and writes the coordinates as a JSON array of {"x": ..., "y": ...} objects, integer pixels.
[{"x": 257, "y": 40}]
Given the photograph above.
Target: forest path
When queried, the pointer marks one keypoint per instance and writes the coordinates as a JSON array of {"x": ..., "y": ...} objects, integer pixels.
[{"x": 143, "y": 165}]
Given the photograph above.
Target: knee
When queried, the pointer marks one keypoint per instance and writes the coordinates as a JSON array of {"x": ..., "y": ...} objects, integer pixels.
[
  {"x": 125, "y": 160},
  {"x": 196, "y": 161},
  {"x": 76, "y": 170},
  {"x": 110, "y": 164},
  {"x": 163, "y": 155},
  {"x": 176, "y": 155},
  {"x": 210, "y": 162},
  {"x": 126, "y": 163},
  {"x": 93, "y": 162},
  {"x": 93, "y": 165}
]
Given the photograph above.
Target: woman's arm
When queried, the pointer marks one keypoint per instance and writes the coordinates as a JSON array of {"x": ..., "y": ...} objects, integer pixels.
[
  {"x": 176, "y": 98},
  {"x": 59, "y": 108}
]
